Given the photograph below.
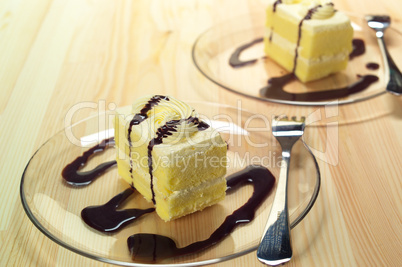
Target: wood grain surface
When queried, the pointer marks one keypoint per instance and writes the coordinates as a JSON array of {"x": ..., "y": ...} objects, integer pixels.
[{"x": 61, "y": 61}]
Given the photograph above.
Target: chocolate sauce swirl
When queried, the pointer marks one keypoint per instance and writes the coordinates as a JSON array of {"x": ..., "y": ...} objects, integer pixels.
[
  {"x": 372, "y": 66},
  {"x": 73, "y": 176},
  {"x": 153, "y": 247},
  {"x": 106, "y": 218},
  {"x": 359, "y": 48},
  {"x": 275, "y": 90},
  {"x": 234, "y": 59}
]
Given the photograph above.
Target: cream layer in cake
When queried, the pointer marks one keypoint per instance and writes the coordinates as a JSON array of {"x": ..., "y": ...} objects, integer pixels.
[
  {"x": 308, "y": 37},
  {"x": 171, "y": 157}
]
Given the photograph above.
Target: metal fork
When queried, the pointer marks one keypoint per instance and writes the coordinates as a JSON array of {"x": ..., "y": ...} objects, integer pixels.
[
  {"x": 275, "y": 247},
  {"x": 379, "y": 23}
]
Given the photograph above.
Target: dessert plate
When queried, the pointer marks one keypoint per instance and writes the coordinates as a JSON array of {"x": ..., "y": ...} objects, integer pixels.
[
  {"x": 213, "y": 49},
  {"x": 55, "y": 207}
]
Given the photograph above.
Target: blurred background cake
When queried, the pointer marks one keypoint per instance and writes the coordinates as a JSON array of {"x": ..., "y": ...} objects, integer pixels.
[{"x": 308, "y": 37}]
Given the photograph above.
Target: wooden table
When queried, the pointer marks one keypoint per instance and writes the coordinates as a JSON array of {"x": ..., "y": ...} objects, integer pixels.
[{"x": 56, "y": 54}]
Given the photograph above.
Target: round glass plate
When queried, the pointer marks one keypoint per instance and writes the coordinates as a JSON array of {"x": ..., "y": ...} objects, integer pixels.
[
  {"x": 55, "y": 207},
  {"x": 213, "y": 49}
]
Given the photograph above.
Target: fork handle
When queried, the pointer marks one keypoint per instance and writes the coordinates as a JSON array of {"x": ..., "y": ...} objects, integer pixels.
[
  {"x": 394, "y": 85},
  {"x": 275, "y": 247}
]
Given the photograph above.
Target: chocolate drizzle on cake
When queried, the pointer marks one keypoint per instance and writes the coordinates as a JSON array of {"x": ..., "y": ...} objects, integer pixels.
[
  {"x": 140, "y": 117},
  {"x": 201, "y": 126},
  {"x": 161, "y": 133},
  {"x": 308, "y": 16},
  {"x": 275, "y": 4},
  {"x": 73, "y": 176},
  {"x": 143, "y": 115},
  {"x": 167, "y": 130},
  {"x": 274, "y": 10}
]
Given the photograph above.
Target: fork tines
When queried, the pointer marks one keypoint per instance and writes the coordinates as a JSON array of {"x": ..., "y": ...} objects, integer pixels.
[
  {"x": 284, "y": 124},
  {"x": 379, "y": 18},
  {"x": 285, "y": 118}
]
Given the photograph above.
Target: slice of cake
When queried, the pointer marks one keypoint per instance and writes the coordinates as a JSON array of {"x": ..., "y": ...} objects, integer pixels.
[
  {"x": 170, "y": 156},
  {"x": 308, "y": 37}
]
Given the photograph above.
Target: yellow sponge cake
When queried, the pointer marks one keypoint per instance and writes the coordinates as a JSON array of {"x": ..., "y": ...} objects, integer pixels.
[
  {"x": 170, "y": 156},
  {"x": 308, "y": 37}
]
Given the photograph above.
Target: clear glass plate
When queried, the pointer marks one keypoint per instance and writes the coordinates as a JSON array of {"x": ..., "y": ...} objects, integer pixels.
[
  {"x": 213, "y": 48},
  {"x": 55, "y": 207}
]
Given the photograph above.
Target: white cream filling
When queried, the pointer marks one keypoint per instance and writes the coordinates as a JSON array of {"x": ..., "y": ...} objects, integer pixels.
[{"x": 290, "y": 48}]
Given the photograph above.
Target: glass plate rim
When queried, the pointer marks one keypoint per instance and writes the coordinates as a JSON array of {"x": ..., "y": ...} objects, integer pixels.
[
  {"x": 49, "y": 235},
  {"x": 278, "y": 101}
]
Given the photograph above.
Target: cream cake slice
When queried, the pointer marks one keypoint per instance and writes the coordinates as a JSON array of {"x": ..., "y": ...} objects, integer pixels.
[
  {"x": 170, "y": 156},
  {"x": 308, "y": 37}
]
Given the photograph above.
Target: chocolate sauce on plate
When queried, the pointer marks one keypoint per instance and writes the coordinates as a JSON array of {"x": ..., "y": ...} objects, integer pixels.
[
  {"x": 234, "y": 59},
  {"x": 275, "y": 90},
  {"x": 359, "y": 48},
  {"x": 372, "y": 66},
  {"x": 153, "y": 247},
  {"x": 73, "y": 176},
  {"x": 106, "y": 218}
]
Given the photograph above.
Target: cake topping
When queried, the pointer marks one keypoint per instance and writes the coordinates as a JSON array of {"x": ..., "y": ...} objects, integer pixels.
[
  {"x": 172, "y": 121},
  {"x": 162, "y": 109},
  {"x": 323, "y": 9},
  {"x": 73, "y": 176},
  {"x": 275, "y": 89},
  {"x": 146, "y": 104},
  {"x": 277, "y": 2},
  {"x": 359, "y": 48}
]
